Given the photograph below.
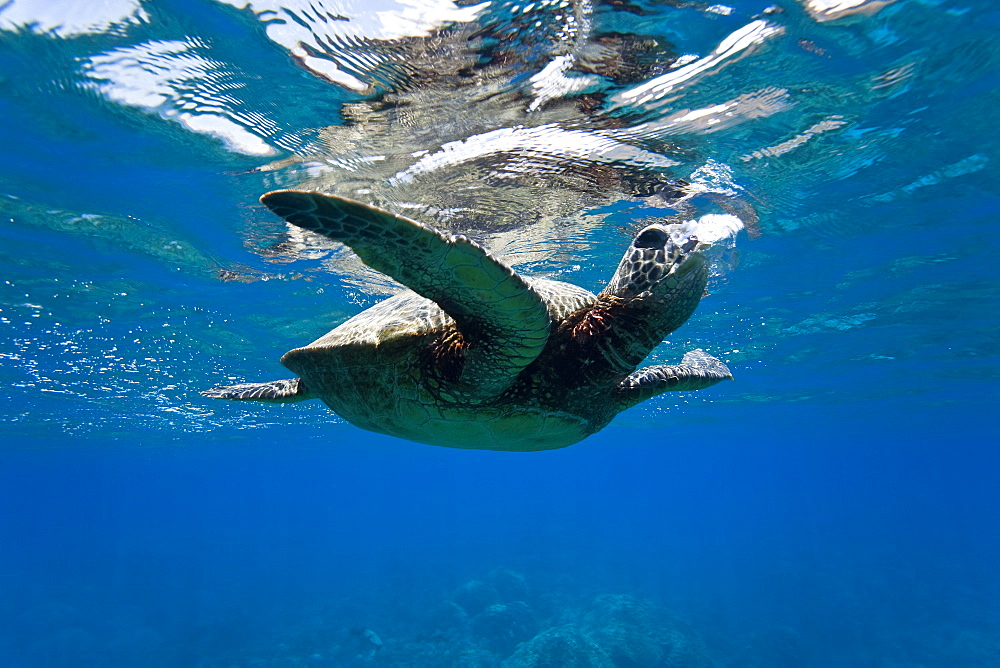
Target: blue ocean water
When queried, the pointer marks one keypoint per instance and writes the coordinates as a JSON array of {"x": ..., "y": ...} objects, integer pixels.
[{"x": 835, "y": 505}]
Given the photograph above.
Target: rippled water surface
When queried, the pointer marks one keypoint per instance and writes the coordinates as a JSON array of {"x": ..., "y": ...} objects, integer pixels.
[{"x": 834, "y": 506}]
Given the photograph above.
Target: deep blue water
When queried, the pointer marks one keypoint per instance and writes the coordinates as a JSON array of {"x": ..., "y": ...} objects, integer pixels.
[{"x": 835, "y": 505}]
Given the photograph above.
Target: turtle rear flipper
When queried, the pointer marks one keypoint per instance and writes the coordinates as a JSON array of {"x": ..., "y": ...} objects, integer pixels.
[
  {"x": 277, "y": 391},
  {"x": 504, "y": 321},
  {"x": 696, "y": 371}
]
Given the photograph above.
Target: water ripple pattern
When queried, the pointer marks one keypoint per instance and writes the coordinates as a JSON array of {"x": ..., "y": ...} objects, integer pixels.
[
  {"x": 837, "y": 155},
  {"x": 172, "y": 79},
  {"x": 339, "y": 41}
]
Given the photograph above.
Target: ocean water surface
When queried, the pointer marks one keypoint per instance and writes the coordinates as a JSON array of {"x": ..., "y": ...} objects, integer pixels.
[{"x": 835, "y": 505}]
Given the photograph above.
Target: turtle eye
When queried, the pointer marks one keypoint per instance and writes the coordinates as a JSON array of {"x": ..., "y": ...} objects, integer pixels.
[{"x": 651, "y": 238}]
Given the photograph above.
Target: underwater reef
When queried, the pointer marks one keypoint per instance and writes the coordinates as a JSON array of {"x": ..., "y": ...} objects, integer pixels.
[
  {"x": 496, "y": 619},
  {"x": 499, "y": 621}
]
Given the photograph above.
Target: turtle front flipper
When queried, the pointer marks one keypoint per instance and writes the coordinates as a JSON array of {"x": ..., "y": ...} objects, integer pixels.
[
  {"x": 696, "y": 371},
  {"x": 277, "y": 391},
  {"x": 502, "y": 319}
]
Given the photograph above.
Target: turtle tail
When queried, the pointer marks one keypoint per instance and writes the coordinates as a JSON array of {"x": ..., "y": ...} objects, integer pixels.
[{"x": 277, "y": 391}]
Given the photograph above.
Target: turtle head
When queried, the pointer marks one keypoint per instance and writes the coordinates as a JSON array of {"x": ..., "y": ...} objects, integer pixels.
[
  {"x": 662, "y": 268},
  {"x": 657, "y": 287}
]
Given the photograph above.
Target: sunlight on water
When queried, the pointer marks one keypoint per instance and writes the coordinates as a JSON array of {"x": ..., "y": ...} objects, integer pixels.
[
  {"x": 549, "y": 131},
  {"x": 651, "y": 94},
  {"x": 171, "y": 79},
  {"x": 337, "y": 41},
  {"x": 66, "y": 18}
]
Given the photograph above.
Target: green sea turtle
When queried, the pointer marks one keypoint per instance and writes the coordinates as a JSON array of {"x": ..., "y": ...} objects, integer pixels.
[{"x": 474, "y": 355}]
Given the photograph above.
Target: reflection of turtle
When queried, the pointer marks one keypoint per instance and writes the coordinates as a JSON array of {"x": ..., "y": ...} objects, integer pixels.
[{"x": 476, "y": 356}]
